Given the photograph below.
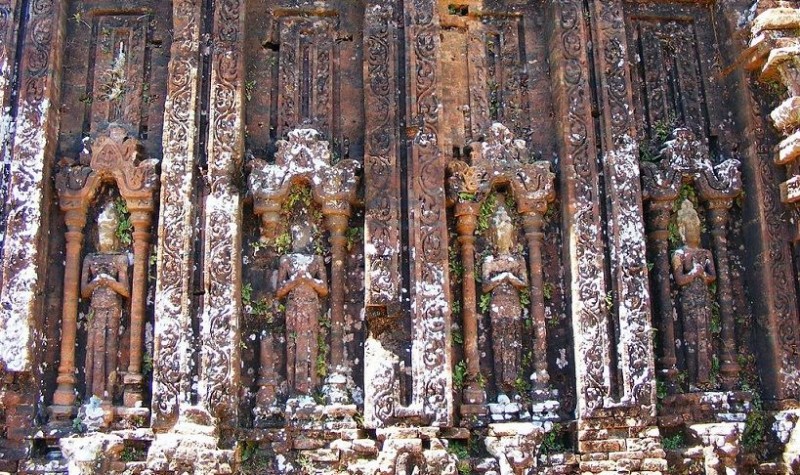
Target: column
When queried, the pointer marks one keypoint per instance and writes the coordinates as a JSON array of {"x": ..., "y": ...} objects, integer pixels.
[
  {"x": 65, "y": 394},
  {"x": 141, "y": 251},
  {"x": 466, "y": 222}
]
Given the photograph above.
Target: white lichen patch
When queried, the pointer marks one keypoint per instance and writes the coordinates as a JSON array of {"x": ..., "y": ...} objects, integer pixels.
[{"x": 20, "y": 278}]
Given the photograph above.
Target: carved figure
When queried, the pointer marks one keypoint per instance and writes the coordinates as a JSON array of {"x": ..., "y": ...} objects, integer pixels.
[
  {"x": 504, "y": 276},
  {"x": 104, "y": 280},
  {"x": 693, "y": 269},
  {"x": 302, "y": 280}
]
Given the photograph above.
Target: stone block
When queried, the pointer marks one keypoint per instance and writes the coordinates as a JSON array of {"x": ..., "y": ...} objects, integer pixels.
[
  {"x": 654, "y": 464},
  {"x": 598, "y": 466},
  {"x": 308, "y": 443},
  {"x": 608, "y": 445}
]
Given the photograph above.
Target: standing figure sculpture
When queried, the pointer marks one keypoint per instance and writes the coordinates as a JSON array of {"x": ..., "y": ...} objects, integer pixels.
[
  {"x": 504, "y": 275},
  {"x": 693, "y": 269},
  {"x": 104, "y": 280},
  {"x": 303, "y": 281}
]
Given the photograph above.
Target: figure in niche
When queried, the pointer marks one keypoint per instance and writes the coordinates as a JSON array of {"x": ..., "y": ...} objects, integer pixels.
[
  {"x": 693, "y": 269},
  {"x": 104, "y": 280},
  {"x": 303, "y": 281},
  {"x": 504, "y": 276}
]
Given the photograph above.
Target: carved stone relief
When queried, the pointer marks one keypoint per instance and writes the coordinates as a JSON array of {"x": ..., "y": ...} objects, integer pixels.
[
  {"x": 303, "y": 161},
  {"x": 685, "y": 162},
  {"x": 477, "y": 301},
  {"x": 115, "y": 160},
  {"x": 500, "y": 162}
]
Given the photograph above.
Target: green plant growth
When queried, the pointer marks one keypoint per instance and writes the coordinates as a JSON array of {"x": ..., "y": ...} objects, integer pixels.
[
  {"x": 662, "y": 129},
  {"x": 358, "y": 418},
  {"x": 553, "y": 441},
  {"x": 485, "y": 214},
  {"x": 77, "y": 425},
  {"x": 147, "y": 363},
  {"x": 494, "y": 89},
  {"x": 298, "y": 194},
  {"x": 457, "y": 336},
  {"x": 522, "y": 385},
  {"x": 353, "y": 236},
  {"x": 460, "y": 375},
  {"x": 132, "y": 454},
  {"x": 547, "y": 290},
  {"x": 282, "y": 243},
  {"x": 255, "y": 460},
  {"x": 466, "y": 196},
  {"x": 485, "y": 302},
  {"x": 305, "y": 465},
  {"x": 609, "y": 299},
  {"x": 524, "y": 298},
  {"x": 456, "y": 307},
  {"x": 714, "y": 373},
  {"x": 261, "y": 307},
  {"x": 673, "y": 442},
  {"x": 322, "y": 356},
  {"x": 124, "y": 231},
  {"x": 258, "y": 244},
  {"x": 661, "y": 389},
  {"x": 461, "y": 452},
  {"x": 755, "y": 431},
  {"x": 456, "y": 266},
  {"x": 249, "y": 87}
]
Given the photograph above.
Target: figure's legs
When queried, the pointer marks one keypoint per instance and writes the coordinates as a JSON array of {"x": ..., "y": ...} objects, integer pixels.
[
  {"x": 305, "y": 361},
  {"x": 88, "y": 367},
  {"x": 690, "y": 344},
  {"x": 313, "y": 353},
  {"x": 703, "y": 345},
  {"x": 112, "y": 335},
  {"x": 500, "y": 347},
  {"x": 99, "y": 376},
  {"x": 291, "y": 350}
]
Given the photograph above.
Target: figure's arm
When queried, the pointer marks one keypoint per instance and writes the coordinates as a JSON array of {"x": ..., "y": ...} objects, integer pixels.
[
  {"x": 321, "y": 277},
  {"x": 710, "y": 271},
  {"x": 87, "y": 287},
  {"x": 121, "y": 286},
  {"x": 284, "y": 287},
  {"x": 681, "y": 278},
  {"x": 520, "y": 278},
  {"x": 488, "y": 271}
]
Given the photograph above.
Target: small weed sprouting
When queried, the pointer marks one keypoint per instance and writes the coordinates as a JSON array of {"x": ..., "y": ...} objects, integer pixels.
[
  {"x": 488, "y": 208},
  {"x": 124, "y": 231},
  {"x": 547, "y": 290},
  {"x": 674, "y": 442},
  {"x": 460, "y": 375},
  {"x": 485, "y": 302}
]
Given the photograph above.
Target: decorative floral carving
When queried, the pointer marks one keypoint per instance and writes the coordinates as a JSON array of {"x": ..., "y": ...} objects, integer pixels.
[{"x": 173, "y": 327}]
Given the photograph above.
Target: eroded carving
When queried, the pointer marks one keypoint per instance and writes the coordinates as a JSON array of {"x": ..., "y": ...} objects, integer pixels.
[
  {"x": 500, "y": 162},
  {"x": 685, "y": 162},
  {"x": 304, "y": 160},
  {"x": 693, "y": 269},
  {"x": 104, "y": 280},
  {"x": 504, "y": 277},
  {"x": 112, "y": 159},
  {"x": 302, "y": 281}
]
